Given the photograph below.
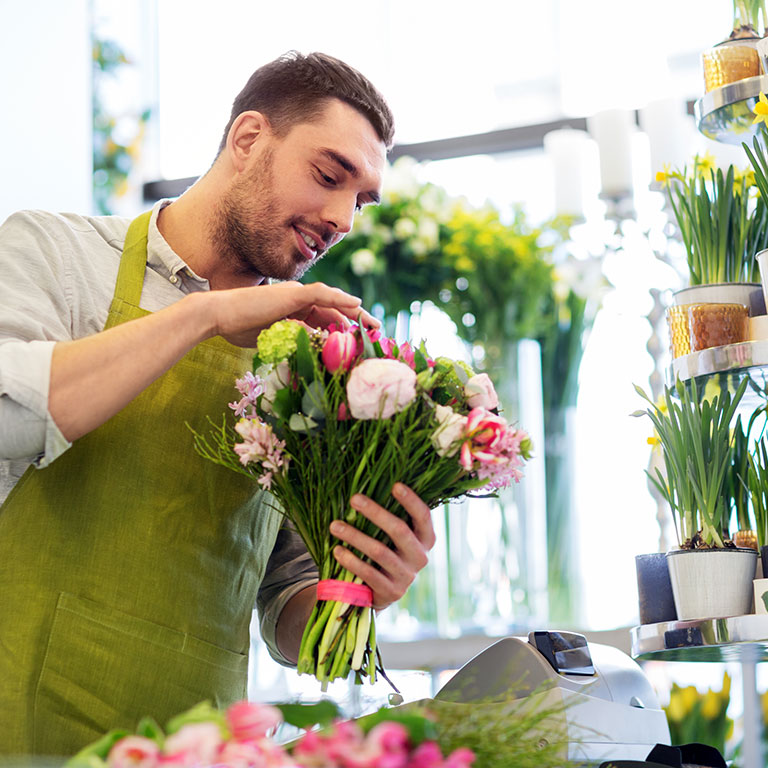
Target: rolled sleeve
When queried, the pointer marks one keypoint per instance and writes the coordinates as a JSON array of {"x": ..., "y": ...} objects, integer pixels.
[
  {"x": 28, "y": 431},
  {"x": 290, "y": 569}
]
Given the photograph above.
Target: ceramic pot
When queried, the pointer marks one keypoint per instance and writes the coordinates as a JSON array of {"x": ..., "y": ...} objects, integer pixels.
[
  {"x": 711, "y": 583},
  {"x": 654, "y": 589},
  {"x": 749, "y": 294}
]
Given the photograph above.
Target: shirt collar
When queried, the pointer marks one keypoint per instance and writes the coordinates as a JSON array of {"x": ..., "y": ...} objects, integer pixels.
[{"x": 164, "y": 260}]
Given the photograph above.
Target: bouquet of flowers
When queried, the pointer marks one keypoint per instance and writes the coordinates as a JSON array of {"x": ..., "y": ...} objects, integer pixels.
[
  {"x": 239, "y": 738},
  {"x": 327, "y": 414}
]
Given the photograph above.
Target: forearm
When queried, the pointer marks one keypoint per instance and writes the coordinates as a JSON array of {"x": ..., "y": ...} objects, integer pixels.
[
  {"x": 293, "y": 619},
  {"x": 95, "y": 377}
]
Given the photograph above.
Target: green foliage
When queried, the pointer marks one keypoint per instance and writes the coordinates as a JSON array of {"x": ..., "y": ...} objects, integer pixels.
[
  {"x": 721, "y": 219},
  {"x": 113, "y": 155},
  {"x": 695, "y": 438}
]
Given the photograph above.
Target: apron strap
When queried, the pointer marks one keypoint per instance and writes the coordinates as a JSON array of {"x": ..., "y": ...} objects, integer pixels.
[{"x": 133, "y": 263}]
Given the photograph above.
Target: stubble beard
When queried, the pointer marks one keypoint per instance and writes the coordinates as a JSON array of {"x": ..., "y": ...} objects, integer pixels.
[{"x": 248, "y": 234}]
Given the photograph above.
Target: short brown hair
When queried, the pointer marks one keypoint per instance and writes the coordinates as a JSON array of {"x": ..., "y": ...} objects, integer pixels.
[{"x": 290, "y": 90}]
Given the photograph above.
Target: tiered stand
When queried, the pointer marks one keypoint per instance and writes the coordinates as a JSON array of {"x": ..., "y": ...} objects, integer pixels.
[{"x": 741, "y": 639}]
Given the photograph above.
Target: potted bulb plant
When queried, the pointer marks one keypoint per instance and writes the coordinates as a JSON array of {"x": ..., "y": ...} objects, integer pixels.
[
  {"x": 736, "y": 57},
  {"x": 723, "y": 223},
  {"x": 710, "y": 576}
]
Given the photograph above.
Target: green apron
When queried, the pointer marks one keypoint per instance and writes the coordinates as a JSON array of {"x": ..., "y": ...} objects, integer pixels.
[{"x": 129, "y": 567}]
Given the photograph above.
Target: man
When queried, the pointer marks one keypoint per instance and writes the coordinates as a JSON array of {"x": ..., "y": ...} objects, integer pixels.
[{"x": 128, "y": 565}]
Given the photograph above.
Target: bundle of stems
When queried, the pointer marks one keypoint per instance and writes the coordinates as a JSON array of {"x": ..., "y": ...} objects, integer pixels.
[{"x": 695, "y": 439}]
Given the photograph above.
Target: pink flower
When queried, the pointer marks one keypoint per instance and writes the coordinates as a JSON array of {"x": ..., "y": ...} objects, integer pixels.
[
  {"x": 134, "y": 752},
  {"x": 460, "y": 758},
  {"x": 260, "y": 446},
  {"x": 343, "y": 413},
  {"x": 426, "y": 755},
  {"x": 480, "y": 392},
  {"x": 377, "y": 388},
  {"x": 483, "y": 433},
  {"x": 192, "y": 745},
  {"x": 250, "y": 387},
  {"x": 406, "y": 354},
  {"x": 258, "y": 753},
  {"x": 252, "y": 721},
  {"x": 328, "y": 748},
  {"x": 339, "y": 351}
]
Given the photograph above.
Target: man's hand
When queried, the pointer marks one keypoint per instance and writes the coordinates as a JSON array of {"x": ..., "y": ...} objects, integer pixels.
[
  {"x": 391, "y": 571},
  {"x": 242, "y": 313}
]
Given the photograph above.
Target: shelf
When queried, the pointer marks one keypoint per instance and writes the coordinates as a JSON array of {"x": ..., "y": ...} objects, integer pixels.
[
  {"x": 738, "y": 638},
  {"x": 725, "y": 114}
]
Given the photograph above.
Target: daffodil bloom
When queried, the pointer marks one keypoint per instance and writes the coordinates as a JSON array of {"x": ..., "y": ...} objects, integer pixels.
[
  {"x": 761, "y": 110},
  {"x": 704, "y": 164}
]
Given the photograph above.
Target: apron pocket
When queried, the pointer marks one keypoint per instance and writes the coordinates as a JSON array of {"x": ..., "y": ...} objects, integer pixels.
[{"x": 104, "y": 669}]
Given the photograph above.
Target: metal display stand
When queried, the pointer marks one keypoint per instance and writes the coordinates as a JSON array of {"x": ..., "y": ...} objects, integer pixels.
[
  {"x": 725, "y": 114},
  {"x": 742, "y": 639}
]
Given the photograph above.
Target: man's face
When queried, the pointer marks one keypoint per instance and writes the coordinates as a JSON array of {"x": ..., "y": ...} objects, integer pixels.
[{"x": 298, "y": 194}]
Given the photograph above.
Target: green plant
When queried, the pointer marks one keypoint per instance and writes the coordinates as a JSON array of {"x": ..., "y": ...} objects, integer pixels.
[
  {"x": 757, "y": 487},
  {"x": 721, "y": 219},
  {"x": 747, "y": 15},
  {"x": 695, "y": 439},
  {"x": 114, "y": 150}
]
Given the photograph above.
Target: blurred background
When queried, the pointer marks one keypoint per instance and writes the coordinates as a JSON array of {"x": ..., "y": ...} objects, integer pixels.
[{"x": 547, "y": 122}]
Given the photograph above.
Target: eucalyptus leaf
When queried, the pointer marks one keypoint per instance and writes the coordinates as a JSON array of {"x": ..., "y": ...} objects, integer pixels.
[{"x": 299, "y": 422}]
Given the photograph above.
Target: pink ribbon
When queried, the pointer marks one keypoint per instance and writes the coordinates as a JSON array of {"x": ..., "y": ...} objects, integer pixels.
[{"x": 345, "y": 592}]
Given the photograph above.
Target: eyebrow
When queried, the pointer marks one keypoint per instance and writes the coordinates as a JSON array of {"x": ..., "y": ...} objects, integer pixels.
[{"x": 350, "y": 168}]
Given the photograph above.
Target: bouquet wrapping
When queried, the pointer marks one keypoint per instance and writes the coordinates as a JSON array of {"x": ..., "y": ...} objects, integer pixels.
[{"x": 328, "y": 414}]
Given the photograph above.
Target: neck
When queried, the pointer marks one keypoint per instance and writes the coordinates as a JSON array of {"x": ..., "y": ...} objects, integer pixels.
[{"x": 185, "y": 225}]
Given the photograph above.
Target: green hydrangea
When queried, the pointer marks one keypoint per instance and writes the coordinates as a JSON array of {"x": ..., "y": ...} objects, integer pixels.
[
  {"x": 444, "y": 367},
  {"x": 278, "y": 342}
]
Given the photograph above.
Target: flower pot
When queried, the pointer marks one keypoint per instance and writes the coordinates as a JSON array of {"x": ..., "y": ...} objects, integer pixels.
[
  {"x": 654, "y": 589},
  {"x": 729, "y": 62},
  {"x": 711, "y": 583},
  {"x": 715, "y": 325},
  {"x": 749, "y": 294}
]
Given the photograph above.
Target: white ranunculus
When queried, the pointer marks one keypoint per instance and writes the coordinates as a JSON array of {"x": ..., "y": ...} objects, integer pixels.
[
  {"x": 278, "y": 378},
  {"x": 447, "y": 437}
]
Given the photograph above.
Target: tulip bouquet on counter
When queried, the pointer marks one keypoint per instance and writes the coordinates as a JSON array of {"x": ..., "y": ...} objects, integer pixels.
[
  {"x": 328, "y": 414},
  {"x": 240, "y": 737}
]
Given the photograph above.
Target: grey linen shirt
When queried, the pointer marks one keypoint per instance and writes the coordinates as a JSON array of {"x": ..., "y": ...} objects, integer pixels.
[{"x": 57, "y": 278}]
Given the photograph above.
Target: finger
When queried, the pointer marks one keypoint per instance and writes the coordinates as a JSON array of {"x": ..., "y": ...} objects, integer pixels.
[
  {"x": 379, "y": 553},
  {"x": 420, "y": 513},
  {"x": 403, "y": 536},
  {"x": 386, "y": 590}
]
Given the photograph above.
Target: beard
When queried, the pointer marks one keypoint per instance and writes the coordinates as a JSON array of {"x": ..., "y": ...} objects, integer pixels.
[{"x": 249, "y": 233}]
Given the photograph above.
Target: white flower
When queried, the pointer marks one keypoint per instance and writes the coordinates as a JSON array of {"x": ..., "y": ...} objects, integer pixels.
[
  {"x": 429, "y": 232},
  {"x": 404, "y": 228},
  {"x": 363, "y": 261},
  {"x": 447, "y": 437},
  {"x": 278, "y": 378}
]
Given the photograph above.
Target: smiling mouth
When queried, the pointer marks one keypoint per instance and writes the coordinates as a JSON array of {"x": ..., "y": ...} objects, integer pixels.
[{"x": 308, "y": 246}]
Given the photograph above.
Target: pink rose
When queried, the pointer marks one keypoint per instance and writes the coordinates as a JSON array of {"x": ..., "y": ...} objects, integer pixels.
[
  {"x": 426, "y": 755},
  {"x": 339, "y": 351},
  {"x": 193, "y": 744},
  {"x": 134, "y": 752},
  {"x": 480, "y": 392},
  {"x": 378, "y": 388},
  {"x": 252, "y": 721},
  {"x": 260, "y": 752}
]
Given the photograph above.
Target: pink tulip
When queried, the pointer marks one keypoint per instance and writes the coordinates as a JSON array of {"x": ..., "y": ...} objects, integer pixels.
[
  {"x": 193, "y": 744},
  {"x": 339, "y": 351},
  {"x": 342, "y": 414},
  {"x": 134, "y": 752},
  {"x": 252, "y": 721}
]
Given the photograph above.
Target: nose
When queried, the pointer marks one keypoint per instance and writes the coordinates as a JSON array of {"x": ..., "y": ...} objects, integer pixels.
[{"x": 339, "y": 213}]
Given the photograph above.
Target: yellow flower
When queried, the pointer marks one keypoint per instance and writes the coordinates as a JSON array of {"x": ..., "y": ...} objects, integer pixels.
[
  {"x": 710, "y": 705},
  {"x": 726, "y": 692},
  {"x": 665, "y": 174},
  {"x": 654, "y": 441},
  {"x": 704, "y": 164},
  {"x": 761, "y": 110}
]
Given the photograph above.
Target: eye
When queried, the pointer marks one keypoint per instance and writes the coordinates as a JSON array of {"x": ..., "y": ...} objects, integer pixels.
[{"x": 326, "y": 179}]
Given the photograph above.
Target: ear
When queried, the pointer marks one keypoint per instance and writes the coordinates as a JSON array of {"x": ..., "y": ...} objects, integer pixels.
[{"x": 246, "y": 136}]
